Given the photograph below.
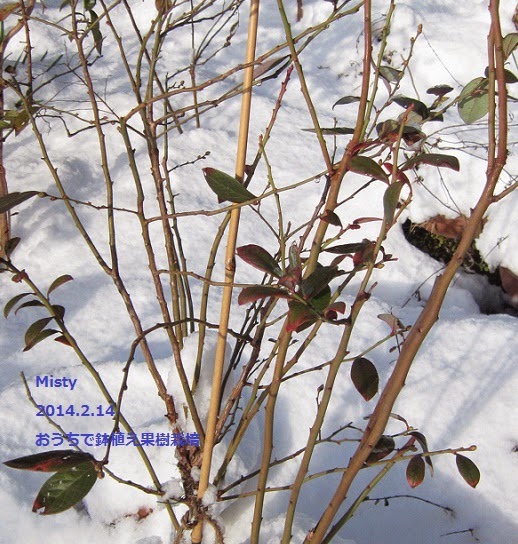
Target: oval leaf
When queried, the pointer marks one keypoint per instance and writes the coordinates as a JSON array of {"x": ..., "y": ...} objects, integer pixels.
[
  {"x": 257, "y": 292},
  {"x": 260, "y": 259},
  {"x": 384, "y": 446},
  {"x": 365, "y": 377},
  {"x": 420, "y": 437},
  {"x": 317, "y": 281},
  {"x": 11, "y": 245},
  {"x": 509, "y": 44},
  {"x": 58, "y": 282},
  {"x": 415, "y": 471},
  {"x": 390, "y": 74},
  {"x": 28, "y": 304},
  {"x": 13, "y": 302},
  {"x": 50, "y": 461},
  {"x": 226, "y": 187},
  {"x": 347, "y": 249},
  {"x": 439, "y": 90},
  {"x": 419, "y": 107},
  {"x": 473, "y": 101},
  {"x": 61, "y": 491},
  {"x": 332, "y": 131},
  {"x": 35, "y": 333},
  {"x": 14, "y": 199},
  {"x": 300, "y": 316},
  {"x": 346, "y": 100},
  {"x": 390, "y": 202},
  {"x": 367, "y": 167},
  {"x": 433, "y": 159},
  {"x": 468, "y": 470}
]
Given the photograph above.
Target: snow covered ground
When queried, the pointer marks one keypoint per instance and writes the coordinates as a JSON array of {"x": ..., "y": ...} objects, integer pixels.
[{"x": 462, "y": 387}]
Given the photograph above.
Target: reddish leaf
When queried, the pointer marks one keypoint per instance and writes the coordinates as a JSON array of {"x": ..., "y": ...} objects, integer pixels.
[
  {"x": 468, "y": 470},
  {"x": 365, "y": 254},
  {"x": 257, "y": 292},
  {"x": 439, "y": 90},
  {"x": 385, "y": 446},
  {"x": 392, "y": 321},
  {"x": 331, "y": 218},
  {"x": 300, "y": 316},
  {"x": 420, "y": 437},
  {"x": 415, "y": 471},
  {"x": 365, "y": 377},
  {"x": 50, "y": 461},
  {"x": 332, "y": 311},
  {"x": 62, "y": 340},
  {"x": 260, "y": 259}
]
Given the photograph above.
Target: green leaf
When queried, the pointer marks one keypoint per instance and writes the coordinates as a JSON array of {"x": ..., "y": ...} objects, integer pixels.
[
  {"x": 96, "y": 31},
  {"x": 257, "y": 292},
  {"x": 346, "y": 100},
  {"x": 58, "y": 282},
  {"x": 419, "y": 107},
  {"x": 468, "y": 470},
  {"x": 509, "y": 77},
  {"x": 390, "y": 202},
  {"x": 365, "y": 377},
  {"x": 509, "y": 44},
  {"x": 322, "y": 300},
  {"x": 36, "y": 333},
  {"x": 260, "y": 259},
  {"x": 226, "y": 187},
  {"x": 367, "y": 167},
  {"x": 11, "y": 245},
  {"x": 14, "y": 199},
  {"x": 294, "y": 257},
  {"x": 473, "y": 101},
  {"x": 13, "y": 302},
  {"x": 415, "y": 471},
  {"x": 61, "y": 491},
  {"x": 28, "y": 304},
  {"x": 318, "y": 281},
  {"x": 50, "y": 461},
  {"x": 434, "y": 159},
  {"x": 347, "y": 249},
  {"x": 330, "y": 131},
  {"x": 384, "y": 446},
  {"x": 390, "y": 74}
]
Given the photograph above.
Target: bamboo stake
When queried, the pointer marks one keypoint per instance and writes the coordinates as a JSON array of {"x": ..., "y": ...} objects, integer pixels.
[{"x": 244, "y": 123}]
